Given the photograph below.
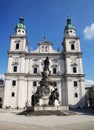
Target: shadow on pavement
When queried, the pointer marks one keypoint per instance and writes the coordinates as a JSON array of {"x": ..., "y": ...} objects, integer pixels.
[
  {"x": 84, "y": 111},
  {"x": 45, "y": 113}
]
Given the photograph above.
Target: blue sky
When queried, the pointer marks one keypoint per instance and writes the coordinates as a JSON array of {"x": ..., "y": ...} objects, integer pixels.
[{"x": 48, "y": 17}]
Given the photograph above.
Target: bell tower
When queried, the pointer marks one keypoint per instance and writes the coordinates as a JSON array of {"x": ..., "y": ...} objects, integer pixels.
[
  {"x": 74, "y": 76},
  {"x": 16, "y": 69},
  {"x": 18, "y": 41}
]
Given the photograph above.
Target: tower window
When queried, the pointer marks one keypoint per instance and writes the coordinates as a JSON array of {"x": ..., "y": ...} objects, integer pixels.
[
  {"x": 76, "y": 95},
  {"x": 17, "y": 46},
  {"x": 74, "y": 70},
  {"x": 66, "y": 31},
  {"x": 34, "y": 83},
  {"x": 12, "y": 94},
  {"x": 19, "y": 30},
  {"x": 14, "y": 83},
  {"x": 35, "y": 70},
  {"x": 75, "y": 83},
  {"x": 72, "y": 47},
  {"x": 15, "y": 69},
  {"x": 54, "y": 70}
]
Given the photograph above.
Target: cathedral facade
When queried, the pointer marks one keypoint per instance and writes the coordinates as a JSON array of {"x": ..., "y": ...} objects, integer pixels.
[{"x": 24, "y": 69}]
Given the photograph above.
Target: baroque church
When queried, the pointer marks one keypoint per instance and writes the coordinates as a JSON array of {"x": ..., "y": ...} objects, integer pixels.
[{"x": 24, "y": 70}]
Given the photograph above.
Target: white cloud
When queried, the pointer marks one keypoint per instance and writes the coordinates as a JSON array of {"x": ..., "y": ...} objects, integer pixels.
[
  {"x": 89, "y": 32},
  {"x": 2, "y": 76},
  {"x": 89, "y": 83}
]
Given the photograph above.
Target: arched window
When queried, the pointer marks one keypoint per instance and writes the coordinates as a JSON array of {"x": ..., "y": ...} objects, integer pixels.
[
  {"x": 72, "y": 47},
  {"x": 17, "y": 46},
  {"x": 14, "y": 83},
  {"x": 75, "y": 83},
  {"x": 19, "y": 30},
  {"x": 34, "y": 83},
  {"x": 35, "y": 71},
  {"x": 76, "y": 95},
  {"x": 14, "y": 68},
  {"x": 74, "y": 70},
  {"x": 12, "y": 94},
  {"x": 54, "y": 70}
]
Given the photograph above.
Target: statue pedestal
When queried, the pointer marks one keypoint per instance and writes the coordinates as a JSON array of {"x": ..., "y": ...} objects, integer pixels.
[
  {"x": 44, "y": 101},
  {"x": 40, "y": 102},
  {"x": 48, "y": 108},
  {"x": 56, "y": 103}
]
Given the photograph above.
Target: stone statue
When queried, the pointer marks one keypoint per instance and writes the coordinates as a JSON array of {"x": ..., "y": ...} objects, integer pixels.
[
  {"x": 54, "y": 96},
  {"x": 37, "y": 96},
  {"x": 44, "y": 88},
  {"x": 46, "y": 64}
]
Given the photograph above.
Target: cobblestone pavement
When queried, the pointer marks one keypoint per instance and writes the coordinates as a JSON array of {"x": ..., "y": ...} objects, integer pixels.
[{"x": 10, "y": 121}]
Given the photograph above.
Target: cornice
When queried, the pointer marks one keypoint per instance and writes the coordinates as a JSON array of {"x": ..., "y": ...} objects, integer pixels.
[
  {"x": 17, "y": 52},
  {"x": 74, "y": 75},
  {"x": 18, "y": 36},
  {"x": 78, "y": 54},
  {"x": 32, "y": 75},
  {"x": 70, "y": 37}
]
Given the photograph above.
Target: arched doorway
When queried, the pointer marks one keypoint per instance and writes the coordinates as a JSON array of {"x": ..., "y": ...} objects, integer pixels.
[{"x": 1, "y": 102}]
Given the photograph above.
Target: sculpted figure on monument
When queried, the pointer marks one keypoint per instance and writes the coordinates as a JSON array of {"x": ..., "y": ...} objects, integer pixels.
[
  {"x": 46, "y": 71},
  {"x": 46, "y": 64},
  {"x": 54, "y": 96},
  {"x": 37, "y": 96}
]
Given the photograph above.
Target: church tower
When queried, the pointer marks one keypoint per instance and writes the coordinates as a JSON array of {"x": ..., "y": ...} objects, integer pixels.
[
  {"x": 19, "y": 39},
  {"x": 15, "y": 84},
  {"x": 74, "y": 76}
]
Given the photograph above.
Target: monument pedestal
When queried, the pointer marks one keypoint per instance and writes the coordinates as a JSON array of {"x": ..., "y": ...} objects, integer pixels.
[
  {"x": 44, "y": 101},
  {"x": 46, "y": 96},
  {"x": 56, "y": 103},
  {"x": 48, "y": 108}
]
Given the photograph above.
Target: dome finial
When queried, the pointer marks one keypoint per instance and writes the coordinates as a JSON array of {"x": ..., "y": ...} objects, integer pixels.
[
  {"x": 21, "y": 20},
  {"x": 68, "y": 20},
  {"x": 69, "y": 24},
  {"x": 21, "y": 24},
  {"x": 45, "y": 38},
  {"x": 20, "y": 27}
]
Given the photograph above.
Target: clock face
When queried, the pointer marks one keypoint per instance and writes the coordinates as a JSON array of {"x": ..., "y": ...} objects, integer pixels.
[{"x": 46, "y": 90}]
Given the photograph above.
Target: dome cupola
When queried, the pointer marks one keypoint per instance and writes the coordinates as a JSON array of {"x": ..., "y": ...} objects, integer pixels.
[
  {"x": 69, "y": 29},
  {"x": 20, "y": 27}
]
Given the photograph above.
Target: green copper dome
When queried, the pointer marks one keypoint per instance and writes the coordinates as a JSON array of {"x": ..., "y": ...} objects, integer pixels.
[
  {"x": 69, "y": 25},
  {"x": 21, "y": 25}
]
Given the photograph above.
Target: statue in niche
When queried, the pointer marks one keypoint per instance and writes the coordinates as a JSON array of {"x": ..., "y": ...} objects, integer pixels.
[{"x": 54, "y": 96}]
